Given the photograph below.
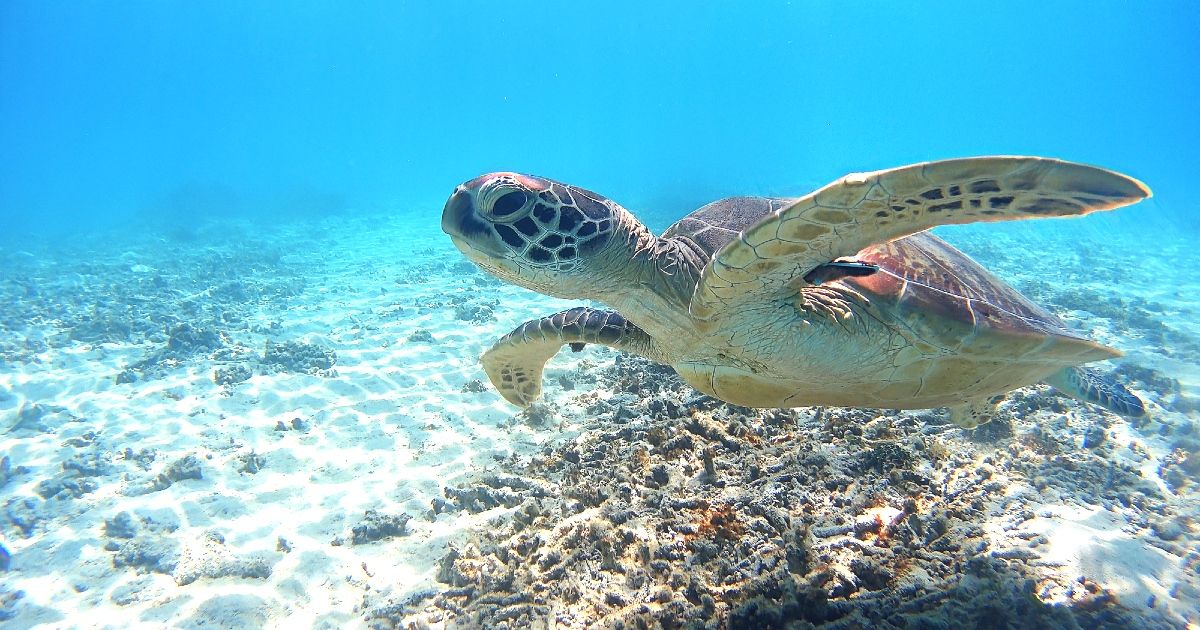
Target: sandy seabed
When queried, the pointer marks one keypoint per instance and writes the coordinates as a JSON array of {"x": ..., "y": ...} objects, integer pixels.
[{"x": 248, "y": 426}]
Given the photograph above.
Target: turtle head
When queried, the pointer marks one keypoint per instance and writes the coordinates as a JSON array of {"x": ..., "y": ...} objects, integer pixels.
[{"x": 534, "y": 232}]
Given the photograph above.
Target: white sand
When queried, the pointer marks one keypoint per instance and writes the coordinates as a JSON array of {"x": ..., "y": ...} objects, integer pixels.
[{"x": 386, "y": 433}]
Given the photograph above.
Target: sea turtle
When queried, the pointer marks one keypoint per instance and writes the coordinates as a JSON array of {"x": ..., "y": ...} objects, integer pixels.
[{"x": 839, "y": 297}]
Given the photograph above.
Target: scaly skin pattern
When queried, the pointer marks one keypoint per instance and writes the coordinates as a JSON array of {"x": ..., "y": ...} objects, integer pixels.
[{"x": 723, "y": 296}]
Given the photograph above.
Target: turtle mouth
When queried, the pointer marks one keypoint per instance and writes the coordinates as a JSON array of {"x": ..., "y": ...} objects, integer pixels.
[
  {"x": 470, "y": 251},
  {"x": 477, "y": 249}
]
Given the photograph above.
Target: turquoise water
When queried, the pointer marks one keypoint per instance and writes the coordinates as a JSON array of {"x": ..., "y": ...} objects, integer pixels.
[
  {"x": 154, "y": 107},
  {"x": 240, "y": 378}
]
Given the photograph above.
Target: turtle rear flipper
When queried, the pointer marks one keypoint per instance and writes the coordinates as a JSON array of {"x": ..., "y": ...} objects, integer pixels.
[
  {"x": 515, "y": 363},
  {"x": 1092, "y": 387}
]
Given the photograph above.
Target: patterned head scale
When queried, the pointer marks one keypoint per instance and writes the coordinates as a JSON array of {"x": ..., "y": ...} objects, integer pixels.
[{"x": 529, "y": 221}]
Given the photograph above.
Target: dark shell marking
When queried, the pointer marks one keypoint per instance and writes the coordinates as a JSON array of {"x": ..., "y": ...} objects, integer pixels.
[{"x": 923, "y": 272}]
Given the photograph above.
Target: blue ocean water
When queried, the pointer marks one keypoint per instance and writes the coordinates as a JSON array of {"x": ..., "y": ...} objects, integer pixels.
[
  {"x": 224, "y": 107},
  {"x": 240, "y": 382}
]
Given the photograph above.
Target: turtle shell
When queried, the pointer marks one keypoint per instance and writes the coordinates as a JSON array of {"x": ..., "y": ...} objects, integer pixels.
[
  {"x": 710, "y": 227},
  {"x": 920, "y": 272},
  {"x": 923, "y": 272}
]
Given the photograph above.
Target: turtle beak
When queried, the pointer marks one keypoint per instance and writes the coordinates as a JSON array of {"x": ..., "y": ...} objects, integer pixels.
[
  {"x": 458, "y": 209},
  {"x": 471, "y": 234}
]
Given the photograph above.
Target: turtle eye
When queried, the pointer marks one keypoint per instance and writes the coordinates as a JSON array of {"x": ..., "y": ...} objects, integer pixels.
[{"x": 509, "y": 203}]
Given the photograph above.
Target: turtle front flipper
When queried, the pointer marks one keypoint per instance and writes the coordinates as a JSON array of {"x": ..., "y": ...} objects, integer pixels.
[
  {"x": 972, "y": 414},
  {"x": 770, "y": 259},
  {"x": 1098, "y": 389},
  {"x": 514, "y": 364}
]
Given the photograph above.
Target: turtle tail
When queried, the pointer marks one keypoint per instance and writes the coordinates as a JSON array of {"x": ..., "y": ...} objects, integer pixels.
[
  {"x": 1099, "y": 389},
  {"x": 515, "y": 363}
]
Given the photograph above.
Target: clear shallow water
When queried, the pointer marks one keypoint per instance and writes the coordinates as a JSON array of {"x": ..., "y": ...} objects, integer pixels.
[
  {"x": 229, "y": 314},
  {"x": 160, "y": 108}
]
